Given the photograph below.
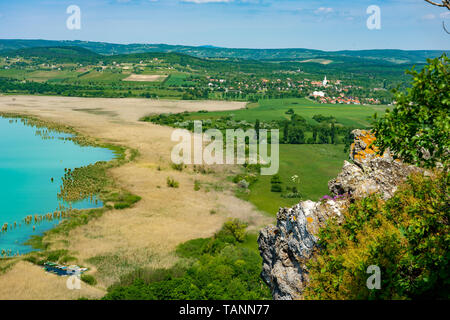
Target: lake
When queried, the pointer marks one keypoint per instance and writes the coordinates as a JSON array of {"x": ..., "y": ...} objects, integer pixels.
[{"x": 28, "y": 162}]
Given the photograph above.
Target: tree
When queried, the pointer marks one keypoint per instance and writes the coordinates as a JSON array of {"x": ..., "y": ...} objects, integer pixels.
[
  {"x": 296, "y": 135},
  {"x": 323, "y": 135},
  {"x": 444, "y": 4},
  {"x": 333, "y": 133},
  {"x": 418, "y": 129},
  {"x": 314, "y": 134},
  {"x": 257, "y": 126},
  {"x": 286, "y": 132}
]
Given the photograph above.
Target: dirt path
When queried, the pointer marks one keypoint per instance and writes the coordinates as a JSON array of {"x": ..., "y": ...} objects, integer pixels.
[{"x": 146, "y": 234}]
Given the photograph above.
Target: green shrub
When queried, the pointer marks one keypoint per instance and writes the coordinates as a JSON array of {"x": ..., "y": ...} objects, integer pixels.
[
  {"x": 67, "y": 259},
  {"x": 171, "y": 183},
  {"x": 55, "y": 255},
  {"x": 276, "y": 188},
  {"x": 123, "y": 200},
  {"x": 89, "y": 279},
  {"x": 178, "y": 167},
  {"x": 275, "y": 179},
  {"x": 233, "y": 227},
  {"x": 418, "y": 129},
  {"x": 407, "y": 237}
]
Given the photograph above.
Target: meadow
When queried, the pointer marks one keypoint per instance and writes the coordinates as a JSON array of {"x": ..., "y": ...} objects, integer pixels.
[
  {"x": 358, "y": 116},
  {"x": 314, "y": 165}
]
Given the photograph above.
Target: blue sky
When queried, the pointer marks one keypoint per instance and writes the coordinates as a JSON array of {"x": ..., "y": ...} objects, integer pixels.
[{"x": 318, "y": 24}]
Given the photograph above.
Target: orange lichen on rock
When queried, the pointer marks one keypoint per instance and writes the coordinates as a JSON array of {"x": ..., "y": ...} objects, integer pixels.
[
  {"x": 365, "y": 144},
  {"x": 309, "y": 219}
]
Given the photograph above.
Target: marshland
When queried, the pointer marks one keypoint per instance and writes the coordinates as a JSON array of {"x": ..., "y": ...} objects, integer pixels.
[{"x": 125, "y": 234}]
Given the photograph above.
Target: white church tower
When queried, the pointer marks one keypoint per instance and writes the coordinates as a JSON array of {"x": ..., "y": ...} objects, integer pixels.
[{"x": 325, "y": 81}]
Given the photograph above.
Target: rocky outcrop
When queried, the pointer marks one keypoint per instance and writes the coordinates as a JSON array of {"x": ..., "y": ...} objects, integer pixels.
[
  {"x": 369, "y": 173},
  {"x": 286, "y": 248}
]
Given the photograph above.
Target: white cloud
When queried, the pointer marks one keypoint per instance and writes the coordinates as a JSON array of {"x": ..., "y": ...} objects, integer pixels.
[
  {"x": 445, "y": 15},
  {"x": 208, "y": 1},
  {"x": 429, "y": 16},
  {"x": 323, "y": 10}
]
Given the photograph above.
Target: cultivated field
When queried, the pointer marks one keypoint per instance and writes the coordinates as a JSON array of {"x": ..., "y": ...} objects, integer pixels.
[{"x": 145, "y": 77}]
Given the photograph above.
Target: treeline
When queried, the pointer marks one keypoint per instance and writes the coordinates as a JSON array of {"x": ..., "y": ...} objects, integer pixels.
[
  {"x": 326, "y": 132},
  {"x": 13, "y": 86},
  {"x": 297, "y": 130}
]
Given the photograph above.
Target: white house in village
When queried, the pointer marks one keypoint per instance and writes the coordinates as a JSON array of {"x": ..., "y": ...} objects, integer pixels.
[
  {"x": 325, "y": 81},
  {"x": 318, "y": 94}
]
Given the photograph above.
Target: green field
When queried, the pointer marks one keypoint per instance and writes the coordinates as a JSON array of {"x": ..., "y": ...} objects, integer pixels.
[
  {"x": 102, "y": 76},
  {"x": 178, "y": 79},
  {"x": 314, "y": 164},
  {"x": 275, "y": 109}
]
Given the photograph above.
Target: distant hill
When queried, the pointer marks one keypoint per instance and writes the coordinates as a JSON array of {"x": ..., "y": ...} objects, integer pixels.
[
  {"x": 56, "y": 54},
  {"x": 395, "y": 56},
  {"x": 73, "y": 54}
]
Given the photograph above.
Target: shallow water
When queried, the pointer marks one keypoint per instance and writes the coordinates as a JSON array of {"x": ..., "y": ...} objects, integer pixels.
[{"x": 27, "y": 164}]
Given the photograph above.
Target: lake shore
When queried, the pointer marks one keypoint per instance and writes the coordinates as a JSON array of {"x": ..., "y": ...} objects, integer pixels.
[{"x": 146, "y": 234}]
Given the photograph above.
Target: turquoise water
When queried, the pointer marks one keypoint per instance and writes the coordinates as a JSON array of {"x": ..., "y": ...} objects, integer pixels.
[{"x": 27, "y": 164}]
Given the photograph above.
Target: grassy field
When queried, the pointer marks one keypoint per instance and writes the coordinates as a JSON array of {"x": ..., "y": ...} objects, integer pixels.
[
  {"x": 275, "y": 109},
  {"x": 314, "y": 164},
  {"x": 102, "y": 76},
  {"x": 177, "y": 79}
]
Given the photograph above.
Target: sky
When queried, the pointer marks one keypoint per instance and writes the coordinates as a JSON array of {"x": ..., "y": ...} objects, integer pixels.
[{"x": 314, "y": 24}]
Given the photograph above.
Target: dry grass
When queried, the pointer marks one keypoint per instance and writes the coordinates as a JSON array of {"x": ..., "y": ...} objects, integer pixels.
[
  {"x": 30, "y": 282},
  {"x": 146, "y": 234}
]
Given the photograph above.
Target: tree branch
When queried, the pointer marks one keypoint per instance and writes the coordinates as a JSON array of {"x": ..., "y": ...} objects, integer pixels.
[
  {"x": 443, "y": 26},
  {"x": 444, "y": 4}
]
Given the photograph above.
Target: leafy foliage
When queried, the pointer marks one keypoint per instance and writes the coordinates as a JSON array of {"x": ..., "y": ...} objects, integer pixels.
[
  {"x": 407, "y": 237},
  {"x": 418, "y": 129}
]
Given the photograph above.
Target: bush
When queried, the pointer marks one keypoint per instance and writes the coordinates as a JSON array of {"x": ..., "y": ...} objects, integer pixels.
[
  {"x": 123, "y": 200},
  {"x": 407, "y": 237},
  {"x": 90, "y": 280},
  {"x": 171, "y": 183},
  {"x": 234, "y": 227},
  {"x": 55, "y": 255},
  {"x": 178, "y": 167},
  {"x": 275, "y": 179},
  {"x": 276, "y": 188},
  {"x": 290, "y": 111},
  {"x": 418, "y": 129}
]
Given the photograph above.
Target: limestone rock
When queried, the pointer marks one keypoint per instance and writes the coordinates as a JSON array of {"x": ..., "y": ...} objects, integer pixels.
[
  {"x": 370, "y": 173},
  {"x": 286, "y": 248}
]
